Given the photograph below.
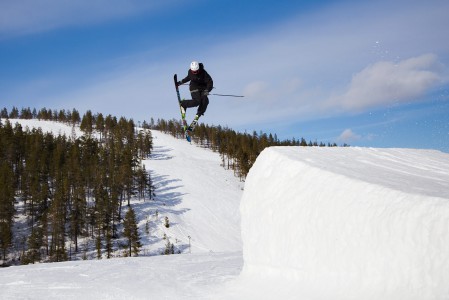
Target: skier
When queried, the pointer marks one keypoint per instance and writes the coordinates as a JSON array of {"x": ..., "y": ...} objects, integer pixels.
[{"x": 200, "y": 86}]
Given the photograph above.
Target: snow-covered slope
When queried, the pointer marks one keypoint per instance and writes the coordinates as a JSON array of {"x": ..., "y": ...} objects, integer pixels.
[
  {"x": 347, "y": 223},
  {"x": 316, "y": 223},
  {"x": 56, "y": 128},
  {"x": 188, "y": 276},
  {"x": 200, "y": 198}
]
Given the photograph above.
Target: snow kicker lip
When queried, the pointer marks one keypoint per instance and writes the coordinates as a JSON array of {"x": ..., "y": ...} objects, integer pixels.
[{"x": 321, "y": 217}]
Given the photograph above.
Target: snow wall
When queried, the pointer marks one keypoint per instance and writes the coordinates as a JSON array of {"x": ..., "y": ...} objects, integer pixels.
[{"x": 347, "y": 223}]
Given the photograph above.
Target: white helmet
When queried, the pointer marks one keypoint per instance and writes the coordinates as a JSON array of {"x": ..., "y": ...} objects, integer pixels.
[{"x": 194, "y": 66}]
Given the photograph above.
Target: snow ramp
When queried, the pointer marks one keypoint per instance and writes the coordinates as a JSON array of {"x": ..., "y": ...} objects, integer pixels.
[{"x": 346, "y": 223}]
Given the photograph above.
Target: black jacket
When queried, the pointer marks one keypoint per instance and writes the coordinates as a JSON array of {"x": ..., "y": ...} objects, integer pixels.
[{"x": 200, "y": 81}]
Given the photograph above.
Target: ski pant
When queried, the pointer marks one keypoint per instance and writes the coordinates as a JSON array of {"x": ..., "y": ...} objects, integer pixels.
[{"x": 197, "y": 100}]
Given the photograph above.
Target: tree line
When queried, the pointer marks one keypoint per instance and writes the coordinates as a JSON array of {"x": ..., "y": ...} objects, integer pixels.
[
  {"x": 238, "y": 151},
  {"x": 71, "y": 188},
  {"x": 65, "y": 116}
]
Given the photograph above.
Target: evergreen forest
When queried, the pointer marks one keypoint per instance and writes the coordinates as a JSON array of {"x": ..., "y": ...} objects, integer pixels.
[{"x": 69, "y": 188}]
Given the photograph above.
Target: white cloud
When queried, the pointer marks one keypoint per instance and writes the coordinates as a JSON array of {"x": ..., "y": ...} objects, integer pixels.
[
  {"x": 348, "y": 136},
  {"x": 386, "y": 82},
  {"x": 324, "y": 56}
]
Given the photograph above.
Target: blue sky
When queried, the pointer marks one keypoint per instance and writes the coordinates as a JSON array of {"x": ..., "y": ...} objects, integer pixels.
[{"x": 365, "y": 73}]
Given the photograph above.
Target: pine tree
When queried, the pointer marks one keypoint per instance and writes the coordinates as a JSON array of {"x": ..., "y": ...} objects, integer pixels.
[
  {"x": 100, "y": 125},
  {"x": 87, "y": 123},
  {"x": 169, "y": 248},
  {"x": 35, "y": 244},
  {"x": 131, "y": 232},
  {"x": 4, "y": 113},
  {"x": 14, "y": 114},
  {"x": 75, "y": 118},
  {"x": 6, "y": 207}
]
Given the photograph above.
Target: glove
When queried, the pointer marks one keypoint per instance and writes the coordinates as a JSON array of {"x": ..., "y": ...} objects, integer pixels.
[
  {"x": 179, "y": 83},
  {"x": 205, "y": 93}
]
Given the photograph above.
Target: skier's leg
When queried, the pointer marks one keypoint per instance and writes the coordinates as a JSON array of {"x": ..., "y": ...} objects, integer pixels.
[
  {"x": 194, "y": 123},
  {"x": 203, "y": 105},
  {"x": 196, "y": 100}
]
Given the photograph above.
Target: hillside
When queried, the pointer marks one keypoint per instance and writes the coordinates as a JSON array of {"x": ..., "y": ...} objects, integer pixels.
[
  {"x": 180, "y": 214},
  {"x": 200, "y": 198},
  {"x": 316, "y": 223}
]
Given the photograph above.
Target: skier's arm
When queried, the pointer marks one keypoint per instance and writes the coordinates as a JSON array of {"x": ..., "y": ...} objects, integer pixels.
[
  {"x": 186, "y": 79},
  {"x": 209, "y": 82}
]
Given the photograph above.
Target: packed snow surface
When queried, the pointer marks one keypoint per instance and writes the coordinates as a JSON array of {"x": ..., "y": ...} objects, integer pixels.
[
  {"x": 347, "y": 223},
  {"x": 315, "y": 223},
  {"x": 201, "y": 200}
]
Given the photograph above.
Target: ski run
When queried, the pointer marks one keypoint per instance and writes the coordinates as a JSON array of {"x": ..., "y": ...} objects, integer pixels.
[{"x": 308, "y": 223}]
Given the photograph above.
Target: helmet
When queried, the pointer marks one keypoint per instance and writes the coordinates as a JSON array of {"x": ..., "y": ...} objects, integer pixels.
[{"x": 194, "y": 66}]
